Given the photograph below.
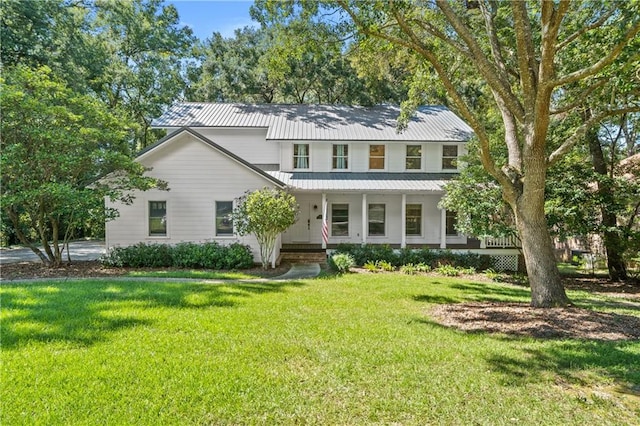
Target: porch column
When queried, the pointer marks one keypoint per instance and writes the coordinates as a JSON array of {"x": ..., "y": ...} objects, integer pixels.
[
  {"x": 325, "y": 220},
  {"x": 443, "y": 228},
  {"x": 403, "y": 224},
  {"x": 365, "y": 218}
]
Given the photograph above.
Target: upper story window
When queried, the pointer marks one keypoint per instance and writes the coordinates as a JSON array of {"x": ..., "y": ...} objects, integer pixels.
[
  {"x": 224, "y": 222},
  {"x": 340, "y": 157},
  {"x": 157, "y": 218},
  {"x": 376, "y": 157},
  {"x": 301, "y": 156},
  {"x": 414, "y": 157},
  {"x": 449, "y": 157}
]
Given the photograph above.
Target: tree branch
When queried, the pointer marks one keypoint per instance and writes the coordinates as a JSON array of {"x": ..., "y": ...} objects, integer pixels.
[
  {"x": 601, "y": 64},
  {"x": 489, "y": 72},
  {"x": 581, "y": 97},
  {"x": 580, "y": 132},
  {"x": 584, "y": 30},
  {"x": 526, "y": 55}
]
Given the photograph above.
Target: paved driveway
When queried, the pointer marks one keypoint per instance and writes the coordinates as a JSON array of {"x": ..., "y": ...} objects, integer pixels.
[{"x": 80, "y": 250}]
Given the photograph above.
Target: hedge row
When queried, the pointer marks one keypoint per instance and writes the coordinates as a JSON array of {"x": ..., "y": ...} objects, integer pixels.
[
  {"x": 184, "y": 255},
  {"x": 376, "y": 252}
]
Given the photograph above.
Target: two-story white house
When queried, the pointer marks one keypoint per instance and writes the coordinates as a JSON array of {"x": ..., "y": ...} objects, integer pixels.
[{"x": 379, "y": 186}]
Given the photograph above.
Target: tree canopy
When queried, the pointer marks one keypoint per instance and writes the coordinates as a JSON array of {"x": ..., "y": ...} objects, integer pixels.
[
  {"x": 57, "y": 145},
  {"x": 265, "y": 213}
]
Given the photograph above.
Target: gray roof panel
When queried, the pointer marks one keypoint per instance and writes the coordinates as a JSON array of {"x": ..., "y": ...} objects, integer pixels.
[
  {"x": 321, "y": 122},
  {"x": 368, "y": 181}
]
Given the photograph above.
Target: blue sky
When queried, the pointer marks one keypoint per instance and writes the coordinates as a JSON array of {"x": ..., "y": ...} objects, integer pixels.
[{"x": 205, "y": 17}]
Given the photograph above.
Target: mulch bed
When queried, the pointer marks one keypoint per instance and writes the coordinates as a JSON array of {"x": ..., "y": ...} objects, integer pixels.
[
  {"x": 89, "y": 269},
  {"x": 519, "y": 319}
]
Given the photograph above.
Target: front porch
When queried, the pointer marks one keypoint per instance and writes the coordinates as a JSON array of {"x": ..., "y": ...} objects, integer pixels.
[{"x": 410, "y": 220}]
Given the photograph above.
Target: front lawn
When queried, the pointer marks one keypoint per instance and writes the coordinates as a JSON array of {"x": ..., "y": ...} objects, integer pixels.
[{"x": 356, "y": 349}]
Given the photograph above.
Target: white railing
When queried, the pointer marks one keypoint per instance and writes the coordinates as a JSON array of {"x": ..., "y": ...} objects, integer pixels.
[{"x": 501, "y": 242}]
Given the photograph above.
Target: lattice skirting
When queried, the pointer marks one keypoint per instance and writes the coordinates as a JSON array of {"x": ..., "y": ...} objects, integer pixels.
[{"x": 505, "y": 262}]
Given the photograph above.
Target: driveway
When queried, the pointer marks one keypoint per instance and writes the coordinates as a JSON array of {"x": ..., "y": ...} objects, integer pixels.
[{"x": 80, "y": 250}]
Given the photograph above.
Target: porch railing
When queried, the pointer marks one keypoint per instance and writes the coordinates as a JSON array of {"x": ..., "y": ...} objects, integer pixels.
[{"x": 502, "y": 242}]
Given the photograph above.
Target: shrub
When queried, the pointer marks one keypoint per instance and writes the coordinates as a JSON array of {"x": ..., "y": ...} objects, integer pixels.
[
  {"x": 376, "y": 252},
  {"x": 184, "y": 255},
  {"x": 423, "y": 267},
  {"x": 341, "y": 262},
  {"x": 370, "y": 266},
  {"x": 409, "y": 269},
  {"x": 383, "y": 265},
  {"x": 447, "y": 270}
]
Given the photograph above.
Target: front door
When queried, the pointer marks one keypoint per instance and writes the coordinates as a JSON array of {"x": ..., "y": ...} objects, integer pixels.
[{"x": 301, "y": 230}]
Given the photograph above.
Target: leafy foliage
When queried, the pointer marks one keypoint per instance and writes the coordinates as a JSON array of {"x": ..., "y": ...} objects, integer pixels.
[
  {"x": 341, "y": 262},
  {"x": 63, "y": 153},
  {"x": 265, "y": 213},
  {"x": 209, "y": 255},
  {"x": 424, "y": 259}
]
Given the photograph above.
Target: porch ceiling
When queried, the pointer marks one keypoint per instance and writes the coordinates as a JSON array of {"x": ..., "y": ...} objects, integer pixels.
[{"x": 359, "y": 182}]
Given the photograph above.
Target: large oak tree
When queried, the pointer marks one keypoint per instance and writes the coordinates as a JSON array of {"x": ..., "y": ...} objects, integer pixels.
[{"x": 527, "y": 56}]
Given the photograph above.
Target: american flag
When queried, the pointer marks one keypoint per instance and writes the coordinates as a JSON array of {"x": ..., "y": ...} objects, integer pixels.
[{"x": 325, "y": 226}]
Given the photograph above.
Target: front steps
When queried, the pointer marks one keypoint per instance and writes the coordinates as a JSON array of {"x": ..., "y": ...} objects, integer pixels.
[{"x": 304, "y": 257}]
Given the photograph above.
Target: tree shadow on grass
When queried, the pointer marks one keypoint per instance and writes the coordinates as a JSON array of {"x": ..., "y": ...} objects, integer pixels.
[
  {"x": 475, "y": 292},
  {"x": 573, "y": 362},
  {"x": 569, "y": 362},
  {"x": 87, "y": 312}
]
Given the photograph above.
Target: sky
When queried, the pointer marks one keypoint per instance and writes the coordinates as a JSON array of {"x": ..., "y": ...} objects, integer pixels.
[{"x": 205, "y": 17}]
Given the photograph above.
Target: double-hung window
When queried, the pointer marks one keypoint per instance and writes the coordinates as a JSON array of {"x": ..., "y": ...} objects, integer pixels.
[
  {"x": 414, "y": 157},
  {"x": 413, "y": 221},
  {"x": 452, "y": 220},
  {"x": 340, "y": 157},
  {"x": 301, "y": 156},
  {"x": 449, "y": 157},
  {"x": 376, "y": 220},
  {"x": 340, "y": 220},
  {"x": 224, "y": 222},
  {"x": 376, "y": 157},
  {"x": 157, "y": 218}
]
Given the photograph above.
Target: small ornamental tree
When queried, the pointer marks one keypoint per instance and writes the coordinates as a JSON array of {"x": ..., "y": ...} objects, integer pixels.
[{"x": 265, "y": 213}]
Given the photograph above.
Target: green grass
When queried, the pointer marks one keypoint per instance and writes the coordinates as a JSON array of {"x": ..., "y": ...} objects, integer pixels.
[
  {"x": 355, "y": 349},
  {"x": 193, "y": 273}
]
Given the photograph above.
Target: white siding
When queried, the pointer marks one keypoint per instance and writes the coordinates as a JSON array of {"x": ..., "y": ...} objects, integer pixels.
[
  {"x": 197, "y": 175},
  {"x": 248, "y": 144}
]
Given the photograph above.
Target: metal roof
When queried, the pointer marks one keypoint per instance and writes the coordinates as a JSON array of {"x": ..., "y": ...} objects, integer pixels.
[
  {"x": 358, "y": 182},
  {"x": 320, "y": 122}
]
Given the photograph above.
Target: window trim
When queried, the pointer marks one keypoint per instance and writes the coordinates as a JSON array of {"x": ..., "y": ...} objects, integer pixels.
[
  {"x": 215, "y": 220},
  {"x": 407, "y": 157},
  {"x": 420, "y": 221},
  {"x": 346, "y": 169},
  {"x": 384, "y": 157},
  {"x": 295, "y": 157},
  {"x": 384, "y": 220},
  {"x": 166, "y": 218},
  {"x": 443, "y": 157},
  {"x": 331, "y": 234}
]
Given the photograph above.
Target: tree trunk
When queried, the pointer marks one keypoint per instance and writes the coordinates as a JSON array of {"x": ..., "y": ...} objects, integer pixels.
[
  {"x": 547, "y": 290},
  {"x": 614, "y": 243}
]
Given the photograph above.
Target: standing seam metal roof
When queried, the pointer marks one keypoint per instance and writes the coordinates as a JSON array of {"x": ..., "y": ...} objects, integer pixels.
[
  {"x": 367, "y": 181},
  {"x": 320, "y": 122}
]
